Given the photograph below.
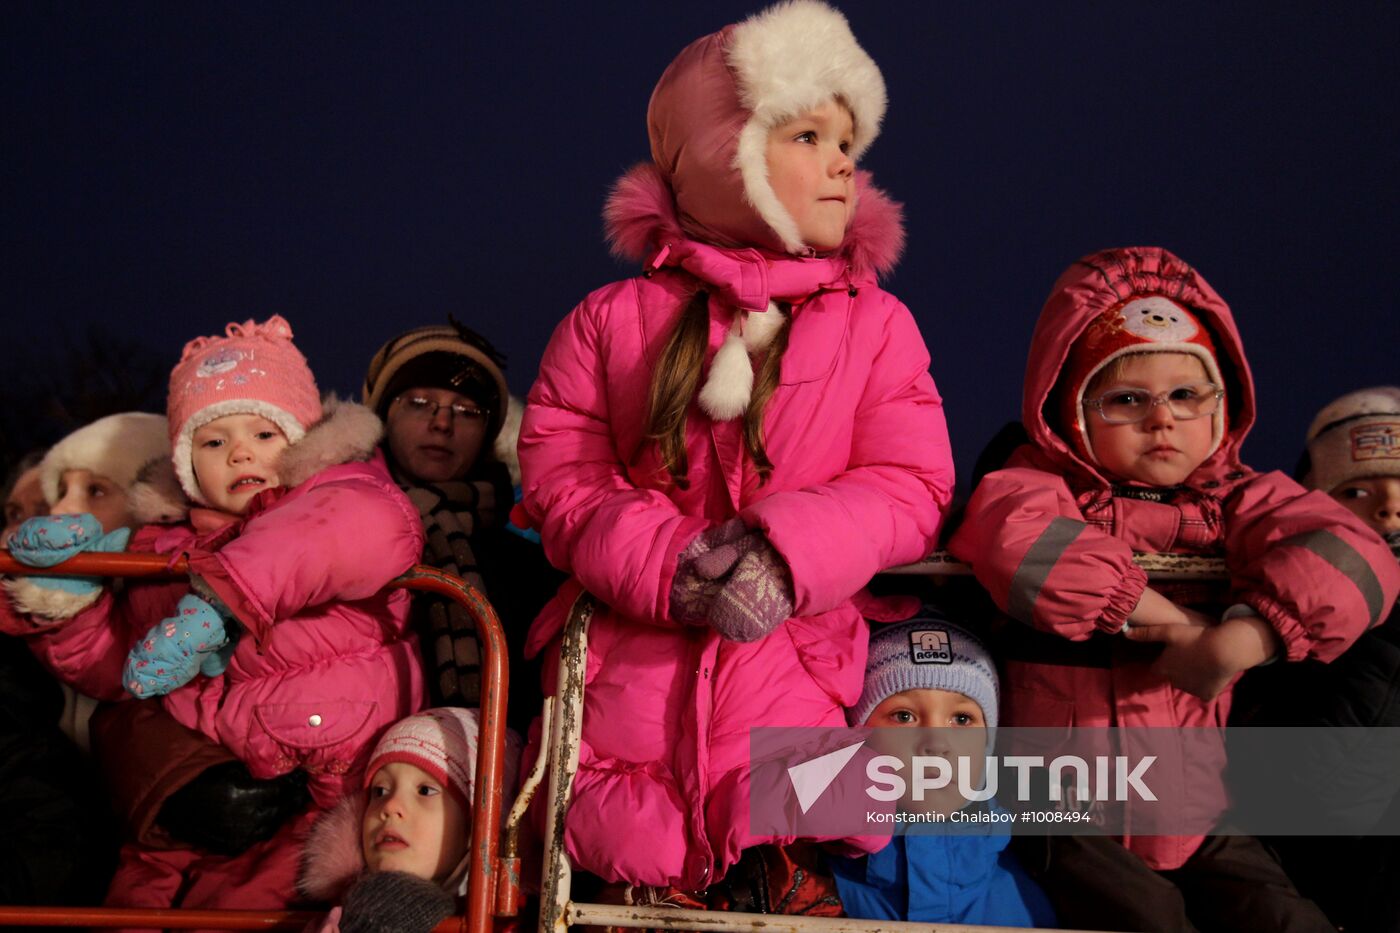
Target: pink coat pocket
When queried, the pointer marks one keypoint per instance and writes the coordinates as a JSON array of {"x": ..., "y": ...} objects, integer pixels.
[{"x": 330, "y": 736}]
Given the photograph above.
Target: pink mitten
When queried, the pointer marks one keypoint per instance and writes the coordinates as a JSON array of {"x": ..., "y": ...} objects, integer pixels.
[{"x": 756, "y": 599}]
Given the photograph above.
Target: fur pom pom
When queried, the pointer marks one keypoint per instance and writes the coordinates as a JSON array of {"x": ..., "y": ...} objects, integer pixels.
[
  {"x": 348, "y": 432},
  {"x": 640, "y": 212},
  {"x": 727, "y": 390},
  {"x": 761, "y": 327}
]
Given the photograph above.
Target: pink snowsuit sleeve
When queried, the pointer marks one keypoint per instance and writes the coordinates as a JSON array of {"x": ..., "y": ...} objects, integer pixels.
[
  {"x": 619, "y": 540},
  {"x": 886, "y": 508},
  {"x": 1041, "y": 564},
  {"x": 1309, "y": 567},
  {"x": 341, "y": 541}
]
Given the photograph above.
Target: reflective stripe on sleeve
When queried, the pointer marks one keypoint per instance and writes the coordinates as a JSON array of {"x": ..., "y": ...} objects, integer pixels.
[
  {"x": 1035, "y": 567},
  {"x": 1349, "y": 563}
]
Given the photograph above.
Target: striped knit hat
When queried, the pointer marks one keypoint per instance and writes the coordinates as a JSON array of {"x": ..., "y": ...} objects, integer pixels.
[
  {"x": 1355, "y": 436},
  {"x": 441, "y": 741},
  {"x": 443, "y": 356},
  {"x": 927, "y": 652}
]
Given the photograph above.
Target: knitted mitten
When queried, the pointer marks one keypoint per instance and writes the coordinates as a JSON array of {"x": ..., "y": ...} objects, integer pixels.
[
  {"x": 47, "y": 540},
  {"x": 756, "y": 599},
  {"x": 394, "y": 902},
  {"x": 193, "y": 641},
  {"x": 702, "y": 568}
]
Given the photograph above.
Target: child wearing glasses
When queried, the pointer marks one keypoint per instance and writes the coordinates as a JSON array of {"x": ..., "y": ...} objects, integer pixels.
[{"x": 1136, "y": 401}]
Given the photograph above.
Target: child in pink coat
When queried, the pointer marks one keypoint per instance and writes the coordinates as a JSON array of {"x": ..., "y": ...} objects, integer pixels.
[
  {"x": 1137, "y": 399},
  {"x": 283, "y": 646},
  {"x": 725, "y": 448}
]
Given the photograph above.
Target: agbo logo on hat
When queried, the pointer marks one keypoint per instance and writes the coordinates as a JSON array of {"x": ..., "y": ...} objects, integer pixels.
[{"x": 930, "y": 646}]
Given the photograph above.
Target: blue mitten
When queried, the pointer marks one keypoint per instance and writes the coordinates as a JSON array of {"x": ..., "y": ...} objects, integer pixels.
[
  {"x": 51, "y": 539},
  {"x": 193, "y": 641}
]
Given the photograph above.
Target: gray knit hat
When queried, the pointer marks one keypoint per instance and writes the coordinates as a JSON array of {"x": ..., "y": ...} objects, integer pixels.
[
  {"x": 927, "y": 651},
  {"x": 1355, "y": 436}
]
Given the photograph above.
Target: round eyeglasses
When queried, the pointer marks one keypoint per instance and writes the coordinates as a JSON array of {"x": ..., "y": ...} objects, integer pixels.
[
  {"x": 427, "y": 409},
  {"x": 1185, "y": 402}
]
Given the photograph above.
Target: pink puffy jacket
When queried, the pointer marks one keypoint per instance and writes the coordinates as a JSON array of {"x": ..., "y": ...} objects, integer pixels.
[
  {"x": 862, "y": 475},
  {"x": 1052, "y": 540},
  {"x": 325, "y": 661}
]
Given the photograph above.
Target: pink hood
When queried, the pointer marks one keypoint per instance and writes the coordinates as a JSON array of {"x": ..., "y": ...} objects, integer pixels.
[
  {"x": 1093, "y": 285},
  {"x": 711, "y": 111}
]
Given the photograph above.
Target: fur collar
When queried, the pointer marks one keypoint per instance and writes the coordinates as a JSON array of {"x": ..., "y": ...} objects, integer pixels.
[
  {"x": 640, "y": 216},
  {"x": 347, "y": 433},
  {"x": 332, "y": 858}
]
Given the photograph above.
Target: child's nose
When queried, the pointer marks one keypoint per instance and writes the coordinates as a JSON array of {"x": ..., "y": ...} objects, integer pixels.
[
  {"x": 1160, "y": 414},
  {"x": 842, "y": 164},
  {"x": 73, "y": 502}
]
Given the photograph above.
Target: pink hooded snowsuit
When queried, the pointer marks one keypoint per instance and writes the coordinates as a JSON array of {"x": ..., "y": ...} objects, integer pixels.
[
  {"x": 1052, "y": 538},
  {"x": 862, "y": 473}
]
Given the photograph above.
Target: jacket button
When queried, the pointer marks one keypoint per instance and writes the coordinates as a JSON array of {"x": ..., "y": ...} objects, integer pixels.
[
  {"x": 314, "y": 719},
  {"x": 1235, "y": 475},
  {"x": 1210, "y": 484}
]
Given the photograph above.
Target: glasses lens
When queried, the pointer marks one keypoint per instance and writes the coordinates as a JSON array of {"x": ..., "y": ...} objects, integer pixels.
[
  {"x": 1193, "y": 401},
  {"x": 1124, "y": 405}
]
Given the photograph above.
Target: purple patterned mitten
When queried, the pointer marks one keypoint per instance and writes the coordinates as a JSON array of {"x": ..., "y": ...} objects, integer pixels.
[
  {"x": 702, "y": 568},
  {"x": 757, "y": 598}
]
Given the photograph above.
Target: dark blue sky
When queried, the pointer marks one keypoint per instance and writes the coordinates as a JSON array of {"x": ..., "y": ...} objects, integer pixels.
[{"x": 362, "y": 168}]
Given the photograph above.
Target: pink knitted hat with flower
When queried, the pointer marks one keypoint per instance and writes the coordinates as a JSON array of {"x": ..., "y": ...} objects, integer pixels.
[{"x": 254, "y": 369}]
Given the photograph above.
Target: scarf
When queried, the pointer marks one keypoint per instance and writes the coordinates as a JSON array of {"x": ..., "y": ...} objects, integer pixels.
[{"x": 452, "y": 513}]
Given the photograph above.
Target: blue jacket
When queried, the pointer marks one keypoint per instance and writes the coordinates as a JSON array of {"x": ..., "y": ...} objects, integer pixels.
[{"x": 945, "y": 878}]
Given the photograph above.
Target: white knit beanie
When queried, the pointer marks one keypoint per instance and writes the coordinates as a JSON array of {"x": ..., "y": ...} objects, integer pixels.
[
  {"x": 116, "y": 447},
  {"x": 927, "y": 652},
  {"x": 1355, "y": 436}
]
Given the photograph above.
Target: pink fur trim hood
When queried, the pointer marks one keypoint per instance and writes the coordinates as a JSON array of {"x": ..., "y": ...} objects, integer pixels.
[{"x": 640, "y": 218}]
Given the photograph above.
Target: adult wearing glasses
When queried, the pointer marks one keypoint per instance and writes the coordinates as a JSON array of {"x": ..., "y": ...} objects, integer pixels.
[{"x": 442, "y": 394}]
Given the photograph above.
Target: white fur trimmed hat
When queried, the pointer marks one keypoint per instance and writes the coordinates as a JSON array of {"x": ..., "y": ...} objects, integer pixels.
[
  {"x": 711, "y": 111},
  {"x": 1355, "y": 436},
  {"x": 116, "y": 447}
]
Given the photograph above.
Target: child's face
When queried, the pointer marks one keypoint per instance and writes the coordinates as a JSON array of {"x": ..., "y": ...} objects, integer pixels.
[
  {"x": 25, "y": 501},
  {"x": 1373, "y": 499},
  {"x": 82, "y": 491},
  {"x": 951, "y": 726},
  {"x": 413, "y": 824},
  {"x": 1159, "y": 450},
  {"x": 235, "y": 458},
  {"x": 812, "y": 175}
]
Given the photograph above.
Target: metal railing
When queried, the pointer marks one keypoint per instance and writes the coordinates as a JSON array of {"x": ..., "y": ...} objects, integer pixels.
[
  {"x": 493, "y": 887},
  {"x": 558, "y": 911}
]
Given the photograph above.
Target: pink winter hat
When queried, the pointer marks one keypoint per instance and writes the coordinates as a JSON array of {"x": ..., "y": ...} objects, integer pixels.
[
  {"x": 711, "y": 111},
  {"x": 253, "y": 369},
  {"x": 441, "y": 741}
]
